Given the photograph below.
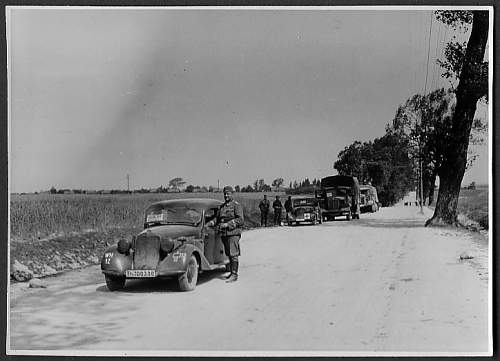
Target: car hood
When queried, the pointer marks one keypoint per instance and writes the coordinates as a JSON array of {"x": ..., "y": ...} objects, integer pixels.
[{"x": 172, "y": 231}]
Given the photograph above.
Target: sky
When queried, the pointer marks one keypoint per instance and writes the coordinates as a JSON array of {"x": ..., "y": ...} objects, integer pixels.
[{"x": 209, "y": 95}]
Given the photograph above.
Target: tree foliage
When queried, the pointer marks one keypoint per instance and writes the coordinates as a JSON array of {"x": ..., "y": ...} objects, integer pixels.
[
  {"x": 176, "y": 182},
  {"x": 384, "y": 163}
]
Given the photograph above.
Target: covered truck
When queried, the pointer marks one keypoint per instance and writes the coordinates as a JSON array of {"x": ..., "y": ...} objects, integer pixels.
[{"x": 339, "y": 196}]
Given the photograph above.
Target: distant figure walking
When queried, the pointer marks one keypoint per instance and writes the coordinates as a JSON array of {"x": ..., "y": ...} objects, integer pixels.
[
  {"x": 264, "y": 206},
  {"x": 277, "y": 207}
]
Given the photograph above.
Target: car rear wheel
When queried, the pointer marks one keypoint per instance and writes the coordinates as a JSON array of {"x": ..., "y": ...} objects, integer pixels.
[
  {"x": 114, "y": 283},
  {"x": 187, "y": 281},
  {"x": 349, "y": 216}
]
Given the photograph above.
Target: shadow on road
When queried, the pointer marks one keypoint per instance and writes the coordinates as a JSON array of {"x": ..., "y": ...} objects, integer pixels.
[{"x": 162, "y": 284}]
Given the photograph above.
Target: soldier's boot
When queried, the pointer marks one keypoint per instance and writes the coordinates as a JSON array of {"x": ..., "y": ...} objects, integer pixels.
[
  {"x": 230, "y": 268},
  {"x": 234, "y": 270}
]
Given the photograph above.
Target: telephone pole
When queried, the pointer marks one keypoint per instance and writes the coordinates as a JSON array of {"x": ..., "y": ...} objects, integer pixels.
[{"x": 128, "y": 183}]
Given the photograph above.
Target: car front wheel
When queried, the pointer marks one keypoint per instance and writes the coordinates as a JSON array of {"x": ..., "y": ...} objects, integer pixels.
[
  {"x": 187, "y": 281},
  {"x": 114, "y": 283}
]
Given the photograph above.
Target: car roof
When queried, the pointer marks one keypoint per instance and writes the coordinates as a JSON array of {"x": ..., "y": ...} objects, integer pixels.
[{"x": 204, "y": 203}]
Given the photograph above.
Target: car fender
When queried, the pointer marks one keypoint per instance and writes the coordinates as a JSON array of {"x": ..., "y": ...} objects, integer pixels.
[
  {"x": 176, "y": 261},
  {"x": 114, "y": 262}
]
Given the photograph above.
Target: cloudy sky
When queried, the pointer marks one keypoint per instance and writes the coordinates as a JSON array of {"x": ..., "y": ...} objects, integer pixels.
[{"x": 207, "y": 95}]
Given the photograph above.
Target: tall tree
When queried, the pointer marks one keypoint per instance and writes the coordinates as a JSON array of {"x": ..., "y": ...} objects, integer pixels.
[
  {"x": 472, "y": 72},
  {"x": 426, "y": 122},
  {"x": 176, "y": 182},
  {"x": 278, "y": 182}
]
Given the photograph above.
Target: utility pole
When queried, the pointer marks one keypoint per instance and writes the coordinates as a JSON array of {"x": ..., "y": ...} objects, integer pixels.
[
  {"x": 218, "y": 185},
  {"x": 128, "y": 183}
]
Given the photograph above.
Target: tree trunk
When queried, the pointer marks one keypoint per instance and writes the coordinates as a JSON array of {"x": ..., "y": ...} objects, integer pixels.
[
  {"x": 468, "y": 93},
  {"x": 431, "y": 189}
]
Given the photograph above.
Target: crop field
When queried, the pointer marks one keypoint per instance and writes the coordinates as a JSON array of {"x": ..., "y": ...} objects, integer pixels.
[
  {"x": 34, "y": 217},
  {"x": 474, "y": 204},
  {"x": 52, "y": 233}
]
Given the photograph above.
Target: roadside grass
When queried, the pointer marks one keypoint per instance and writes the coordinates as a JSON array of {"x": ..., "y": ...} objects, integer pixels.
[{"x": 473, "y": 203}]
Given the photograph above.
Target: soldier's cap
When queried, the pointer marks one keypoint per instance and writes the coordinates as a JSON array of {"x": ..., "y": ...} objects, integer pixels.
[{"x": 228, "y": 189}]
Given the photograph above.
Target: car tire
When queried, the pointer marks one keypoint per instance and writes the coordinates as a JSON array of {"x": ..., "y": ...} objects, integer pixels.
[
  {"x": 114, "y": 283},
  {"x": 187, "y": 281},
  {"x": 348, "y": 217},
  {"x": 374, "y": 208}
]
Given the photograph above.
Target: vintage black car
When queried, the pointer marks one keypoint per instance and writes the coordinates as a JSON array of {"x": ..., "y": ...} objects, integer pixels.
[
  {"x": 174, "y": 243},
  {"x": 304, "y": 210}
]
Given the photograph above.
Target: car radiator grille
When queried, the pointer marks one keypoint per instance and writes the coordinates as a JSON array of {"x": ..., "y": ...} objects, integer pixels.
[
  {"x": 299, "y": 213},
  {"x": 147, "y": 252}
]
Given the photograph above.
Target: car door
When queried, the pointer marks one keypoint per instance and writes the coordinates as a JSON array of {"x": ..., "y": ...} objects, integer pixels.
[{"x": 213, "y": 248}]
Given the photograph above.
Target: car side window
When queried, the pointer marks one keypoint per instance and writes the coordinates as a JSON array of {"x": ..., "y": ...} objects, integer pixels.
[{"x": 210, "y": 214}]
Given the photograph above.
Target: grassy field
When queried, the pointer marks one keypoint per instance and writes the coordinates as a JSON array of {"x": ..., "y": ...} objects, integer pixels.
[
  {"x": 39, "y": 216},
  {"x": 474, "y": 204}
]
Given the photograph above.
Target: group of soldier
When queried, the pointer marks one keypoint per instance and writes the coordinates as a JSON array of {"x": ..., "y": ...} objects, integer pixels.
[{"x": 265, "y": 206}]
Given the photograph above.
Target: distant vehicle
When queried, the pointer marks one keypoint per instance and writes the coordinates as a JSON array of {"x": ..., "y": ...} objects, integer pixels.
[
  {"x": 174, "y": 243},
  {"x": 368, "y": 199},
  {"x": 305, "y": 210},
  {"x": 339, "y": 196}
]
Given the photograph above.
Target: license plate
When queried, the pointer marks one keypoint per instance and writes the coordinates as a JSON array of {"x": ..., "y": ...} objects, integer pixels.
[
  {"x": 140, "y": 273},
  {"x": 155, "y": 218},
  {"x": 300, "y": 219}
]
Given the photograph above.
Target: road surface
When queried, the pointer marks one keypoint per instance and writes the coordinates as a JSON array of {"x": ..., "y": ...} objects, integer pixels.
[{"x": 383, "y": 284}]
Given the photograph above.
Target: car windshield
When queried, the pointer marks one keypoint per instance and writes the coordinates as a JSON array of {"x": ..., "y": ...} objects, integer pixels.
[
  {"x": 341, "y": 191},
  {"x": 304, "y": 202},
  {"x": 165, "y": 214}
]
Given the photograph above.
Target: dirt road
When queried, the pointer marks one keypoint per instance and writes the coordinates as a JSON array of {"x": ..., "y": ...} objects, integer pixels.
[{"x": 382, "y": 284}]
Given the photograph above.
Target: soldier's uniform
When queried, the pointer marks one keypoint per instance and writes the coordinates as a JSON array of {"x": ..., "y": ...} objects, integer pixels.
[
  {"x": 264, "y": 211},
  {"x": 288, "y": 207},
  {"x": 231, "y": 214},
  {"x": 277, "y": 206}
]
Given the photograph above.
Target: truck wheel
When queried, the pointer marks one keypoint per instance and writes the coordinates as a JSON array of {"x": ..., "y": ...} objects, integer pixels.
[
  {"x": 114, "y": 283},
  {"x": 187, "y": 281}
]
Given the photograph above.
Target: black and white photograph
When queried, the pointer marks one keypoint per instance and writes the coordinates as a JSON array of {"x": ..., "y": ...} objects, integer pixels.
[{"x": 249, "y": 180}]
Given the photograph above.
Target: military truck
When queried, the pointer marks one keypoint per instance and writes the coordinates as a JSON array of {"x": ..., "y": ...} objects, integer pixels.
[
  {"x": 369, "y": 198},
  {"x": 339, "y": 196}
]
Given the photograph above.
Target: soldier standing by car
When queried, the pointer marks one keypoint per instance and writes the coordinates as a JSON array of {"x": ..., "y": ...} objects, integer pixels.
[
  {"x": 264, "y": 206},
  {"x": 288, "y": 207},
  {"x": 277, "y": 207},
  {"x": 229, "y": 220}
]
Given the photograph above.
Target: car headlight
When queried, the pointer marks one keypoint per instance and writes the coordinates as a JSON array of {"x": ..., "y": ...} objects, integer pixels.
[
  {"x": 167, "y": 244},
  {"x": 123, "y": 246}
]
